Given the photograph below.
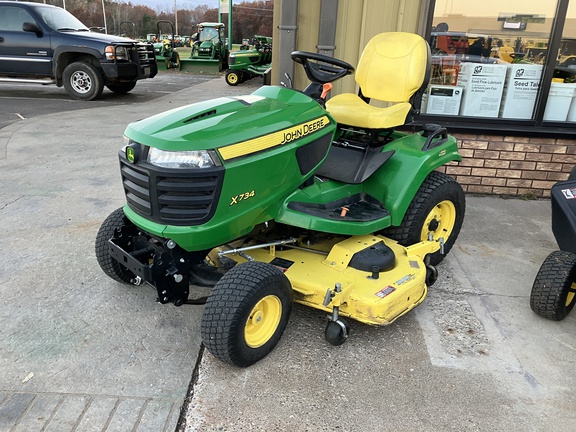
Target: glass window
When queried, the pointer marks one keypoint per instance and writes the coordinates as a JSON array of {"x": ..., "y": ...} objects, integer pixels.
[
  {"x": 60, "y": 19},
  {"x": 12, "y": 18},
  {"x": 488, "y": 62}
]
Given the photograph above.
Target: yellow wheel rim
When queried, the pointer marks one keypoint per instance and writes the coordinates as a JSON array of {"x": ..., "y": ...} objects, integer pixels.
[
  {"x": 263, "y": 321},
  {"x": 232, "y": 78},
  {"x": 439, "y": 222},
  {"x": 571, "y": 294}
]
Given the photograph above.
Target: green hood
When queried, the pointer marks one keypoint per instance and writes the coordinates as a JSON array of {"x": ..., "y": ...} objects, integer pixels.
[{"x": 224, "y": 121}]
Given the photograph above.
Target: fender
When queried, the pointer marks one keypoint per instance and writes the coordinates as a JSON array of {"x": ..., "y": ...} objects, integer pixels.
[
  {"x": 62, "y": 51},
  {"x": 398, "y": 180}
]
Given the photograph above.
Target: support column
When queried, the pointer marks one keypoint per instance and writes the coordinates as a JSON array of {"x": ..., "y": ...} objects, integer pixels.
[
  {"x": 327, "y": 29},
  {"x": 287, "y": 38}
]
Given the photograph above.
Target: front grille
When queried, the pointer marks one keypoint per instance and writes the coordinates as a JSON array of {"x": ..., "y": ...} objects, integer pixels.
[
  {"x": 146, "y": 54},
  {"x": 170, "y": 196}
]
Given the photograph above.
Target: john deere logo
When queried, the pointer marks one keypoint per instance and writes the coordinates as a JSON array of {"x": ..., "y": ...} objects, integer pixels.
[{"x": 130, "y": 155}]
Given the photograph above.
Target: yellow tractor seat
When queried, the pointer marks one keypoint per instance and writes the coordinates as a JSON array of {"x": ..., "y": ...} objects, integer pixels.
[{"x": 392, "y": 68}]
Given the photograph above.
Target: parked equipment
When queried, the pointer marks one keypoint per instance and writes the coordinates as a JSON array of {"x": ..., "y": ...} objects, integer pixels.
[
  {"x": 249, "y": 63},
  {"x": 209, "y": 52},
  {"x": 278, "y": 196},
  {"x": 164, "y": 48},
  {"x": 553, "y": 294}
]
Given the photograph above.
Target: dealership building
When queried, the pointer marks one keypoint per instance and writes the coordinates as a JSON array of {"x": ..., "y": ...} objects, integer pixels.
[{"x": 502, "y": 82}]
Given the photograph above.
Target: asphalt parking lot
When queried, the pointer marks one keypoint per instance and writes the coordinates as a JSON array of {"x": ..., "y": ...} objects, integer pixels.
[
  {"x": 80, "y": 352},
  {"x": 20, "y": 101}
]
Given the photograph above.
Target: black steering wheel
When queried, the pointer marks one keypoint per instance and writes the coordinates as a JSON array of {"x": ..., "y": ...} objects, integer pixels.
[{"x": 321, "y": 68}]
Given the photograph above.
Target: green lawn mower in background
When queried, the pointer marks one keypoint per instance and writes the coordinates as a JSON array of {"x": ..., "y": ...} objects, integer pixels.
[
  {"x": 281, "y": 196},
  {"x": 250, "y": 63},
  {"x": 165, "y": 49}
]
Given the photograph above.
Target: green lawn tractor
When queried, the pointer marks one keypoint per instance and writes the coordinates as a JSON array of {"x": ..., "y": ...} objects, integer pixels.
[
  {"x": 209, "y": 52},
  {"x": 280, "y": 196},
  {"x": 553, "y": 294},
  {"x": 164, "y": 48},
  {"x": 247, "y": 64}
]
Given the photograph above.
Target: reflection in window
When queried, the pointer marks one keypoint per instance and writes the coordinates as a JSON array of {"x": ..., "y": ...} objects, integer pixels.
[
  {"x": 488, "y": 62},
  {"x": 12, "y": 18}
]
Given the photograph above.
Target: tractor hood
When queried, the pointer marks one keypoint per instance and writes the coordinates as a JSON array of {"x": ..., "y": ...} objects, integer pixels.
[
  {"x": 207, "y": 44},
  {"x": 230, "y": 120}
]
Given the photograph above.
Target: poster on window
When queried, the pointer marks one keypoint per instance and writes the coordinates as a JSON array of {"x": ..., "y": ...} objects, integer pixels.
[
  {"x": 442, "y": 99},
  {"x": 483, "y": 86},
  {"x": 520, "y": 90}
]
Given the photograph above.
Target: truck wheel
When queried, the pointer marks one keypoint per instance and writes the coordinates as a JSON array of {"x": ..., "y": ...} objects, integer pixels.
[
  {"x": 553, "y": 294},
  {"x": 108, "y": 264},
  {"x": 233, "y": 78},
  {"x": 83, "y": 81},
  {"x": 437, "y": 210},
  {"x": 121, "y": 88},
  {"x": 246, "y": 313}
]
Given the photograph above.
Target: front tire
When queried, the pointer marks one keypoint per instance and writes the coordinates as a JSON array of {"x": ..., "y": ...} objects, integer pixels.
[
  {"x": 246, "y": 313},
  {"x": 109, "y": 265},
  {"x": 122, "y": 88},
  {"x": 553, "y": 294},
  {"x": 233, "y": 78},
  {"x": 83, "y": 81},
  {"x": 436, "y": 211}
]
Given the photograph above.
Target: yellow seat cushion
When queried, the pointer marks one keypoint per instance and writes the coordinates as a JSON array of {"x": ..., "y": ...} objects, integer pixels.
[
  {"x": 350, "y": 110},
  {"x": 391, "y": 69}
]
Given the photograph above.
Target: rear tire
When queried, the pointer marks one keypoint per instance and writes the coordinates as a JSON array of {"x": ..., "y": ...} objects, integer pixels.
[
  {"x": 83, "y": 81},
  {"x": 438, "y": 209},
  {"x": 108, "y": 264},
  {"x": 246, "y": 313},
  {"x": 122, "y": 88},
  {"x": 553, "y": 294}
]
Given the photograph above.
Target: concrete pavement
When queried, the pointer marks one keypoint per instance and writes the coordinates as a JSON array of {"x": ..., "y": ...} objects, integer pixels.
[{"x": 79, "y": 352}]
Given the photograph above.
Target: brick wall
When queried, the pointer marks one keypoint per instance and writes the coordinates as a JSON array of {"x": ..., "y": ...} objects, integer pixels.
[{"x": 510, "y": 165}]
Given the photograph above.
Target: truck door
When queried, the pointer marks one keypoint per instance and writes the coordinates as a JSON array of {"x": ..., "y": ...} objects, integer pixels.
[{"x": 22, "y": 52}]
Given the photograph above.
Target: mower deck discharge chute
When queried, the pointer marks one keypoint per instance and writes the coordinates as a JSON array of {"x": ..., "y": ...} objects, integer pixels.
[{"x": 280, "y": 196}]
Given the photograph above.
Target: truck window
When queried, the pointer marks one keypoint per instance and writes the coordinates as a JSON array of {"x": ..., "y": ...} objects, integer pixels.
[
  {"x": 12, "y": 18},
  {"x": 60, "y": 19}
]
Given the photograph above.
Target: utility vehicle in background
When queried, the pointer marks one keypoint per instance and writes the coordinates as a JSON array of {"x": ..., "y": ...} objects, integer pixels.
[{"x": 250, "y": 63}]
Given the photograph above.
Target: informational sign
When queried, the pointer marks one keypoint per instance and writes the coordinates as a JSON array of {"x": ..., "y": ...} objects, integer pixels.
[
  {"x": 483, "y": 86},
  {"x": 225, "y": 6},
  {"x": 520, "y": 90},
  {"x": 443, "y": 99}
]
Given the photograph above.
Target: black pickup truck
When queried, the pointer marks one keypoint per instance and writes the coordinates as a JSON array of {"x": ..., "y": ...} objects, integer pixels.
[{"x": 47, "y": 45}]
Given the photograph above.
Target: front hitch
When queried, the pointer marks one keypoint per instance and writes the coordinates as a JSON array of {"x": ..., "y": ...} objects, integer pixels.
[{"x": 162, "y": 264}]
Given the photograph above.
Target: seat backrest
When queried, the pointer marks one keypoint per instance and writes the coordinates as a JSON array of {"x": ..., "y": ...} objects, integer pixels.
[{"x": 393, "y": 66}]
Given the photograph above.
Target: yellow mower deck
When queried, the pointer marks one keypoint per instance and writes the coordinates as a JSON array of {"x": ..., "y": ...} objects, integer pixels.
[{"x": 366, "y": 299}]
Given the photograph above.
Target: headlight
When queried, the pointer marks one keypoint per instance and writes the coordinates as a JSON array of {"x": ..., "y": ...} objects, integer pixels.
[
  {"x": 183, "y": 159},
  {"x": 121, "y": 53}
]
